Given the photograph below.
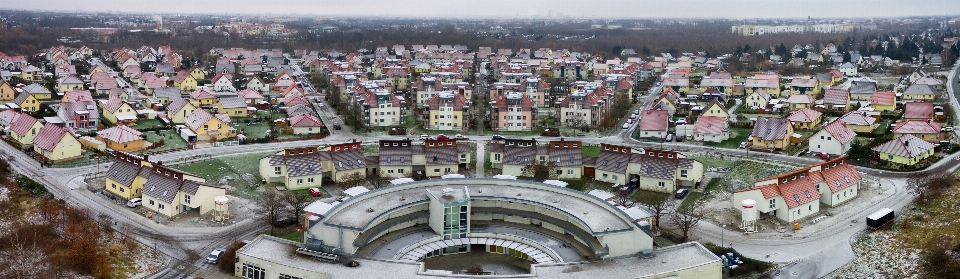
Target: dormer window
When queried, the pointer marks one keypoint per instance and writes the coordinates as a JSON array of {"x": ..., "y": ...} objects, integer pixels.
[{"x": 796, "y": 197}]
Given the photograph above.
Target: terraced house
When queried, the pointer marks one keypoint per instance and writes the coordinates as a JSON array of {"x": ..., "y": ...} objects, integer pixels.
[
  {"x": 296, "y": 168},
  {"x": 798, "y": 194}
]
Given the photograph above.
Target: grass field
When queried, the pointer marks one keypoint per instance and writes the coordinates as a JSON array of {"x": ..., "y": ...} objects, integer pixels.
[
  {"x": 289, "y": 233},
  {"x": 259, "y": 129},
  {"x": 737, "y": 135},
  {"x": 173, "y": 141},
  {"x": 591, "y": 151},
  {"x": 147, "y": 124},
  {"x": 230, "y": 166}
]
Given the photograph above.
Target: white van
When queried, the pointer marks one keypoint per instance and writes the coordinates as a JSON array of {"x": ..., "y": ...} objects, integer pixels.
[{"x": 135, "y": 202}]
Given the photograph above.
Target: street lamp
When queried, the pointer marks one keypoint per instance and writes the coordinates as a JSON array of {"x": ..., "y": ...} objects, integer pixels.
[{"x": 721, "y": 234}]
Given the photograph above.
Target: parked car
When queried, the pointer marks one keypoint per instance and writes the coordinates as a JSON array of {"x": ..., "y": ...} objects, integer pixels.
[
  {"x": 425, "y": 137},
  {"x": 626, "y": 126},
  {"x": 135, "y": 202},
  {"x": 633, "y": 116},
  {"x": 636, "y": 111},
  {"x": 459, "y": 136},
  {"x": 669, "y": 137},
  {"x": 315, "y": 192},
  {"x": 681, "y": 121},
  {"x": 498, "y": 137},
  {"x": 681, "y": 193},
  {"x": 743, "y": 145},
  {"x": 442, "y": 137},
  {"x": 824, "y": 156},
  {"x": 214, "y": 256},
  {"x": 336, "y": 126}
]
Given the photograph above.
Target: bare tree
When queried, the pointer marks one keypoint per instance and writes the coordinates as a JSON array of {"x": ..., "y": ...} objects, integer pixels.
[
  {"x": 378, "y": 179},
  {"x": 350, "y": 180},
  {"x": 930, "y": 186},
  {"x": 660, "y": 208},
  {"x": 295, "y": 202},
  {"x": 686, "y": 218},
  {"x": 270, "y": 207},
  {"x": 542, "y": 170}
]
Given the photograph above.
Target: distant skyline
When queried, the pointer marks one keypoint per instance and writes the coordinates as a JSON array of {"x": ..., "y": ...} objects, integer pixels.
[{"x": 735, "y": 9}]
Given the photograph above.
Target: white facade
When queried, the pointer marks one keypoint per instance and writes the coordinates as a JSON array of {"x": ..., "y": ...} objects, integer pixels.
[{"x": 823, "y": 142}]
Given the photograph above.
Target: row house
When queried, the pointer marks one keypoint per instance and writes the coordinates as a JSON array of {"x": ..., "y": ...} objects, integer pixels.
[
  {"x": 432, "y": 158},
  {"x": 296, "y": 168},
  {"x": 795, "y": 195},
  {"x": 722, "y": 81},
  {"x": 164, "y": 190},
  {"x": 653, "y": 170},
  {"x": 562, "y": 159}
]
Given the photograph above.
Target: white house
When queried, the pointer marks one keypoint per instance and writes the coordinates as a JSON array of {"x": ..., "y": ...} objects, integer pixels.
[
  {"x": 848, "y": 69},
  {"x": 833, "y": 139}
]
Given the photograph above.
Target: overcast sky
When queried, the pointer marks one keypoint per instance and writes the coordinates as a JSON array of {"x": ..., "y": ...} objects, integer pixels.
[{"x": 520, "y": 8}]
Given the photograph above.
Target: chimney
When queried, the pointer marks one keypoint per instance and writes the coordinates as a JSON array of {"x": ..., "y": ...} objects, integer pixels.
[
  {"x": 146, "y": 157},
  {"x": 906, "y": 143}
]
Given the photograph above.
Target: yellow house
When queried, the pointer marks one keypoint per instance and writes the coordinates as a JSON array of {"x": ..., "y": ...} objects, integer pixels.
[
  {"x": 121, "y": 138},
  {"x": 123, "y": 179},
  {"x": 800, "y": 101},
  {"x": 172, "y": 193},
  {"x": 757, "y": 99},
  {"x": 197, "y": 73},
  {"x": 804, "y": 86},
  {"x": 897, "y": 150},
  {"x": 883, "y": 101},
  {"x": 305, "y": 124},
  {"x": 56, "y": 144},
  {"x": 233, "y": 106},
  {"x": 201, "y": 97},
  {"x": 859, "y": 122},
  {"x": 98, "y": 69},
  {"x": 117, "y": 111},
  {"x": 209, "y": 127},
  {"x": 185, "y": 81},
  {"x": 770, "y": 83},
  {"x": 297, "y": 168},
  {"x": 446, "y": 111},
  {"x": 178, "y": 109},
  {"x": 38, "y": 91},
  {"x": 7, "y": 93},
  {"x": 679, "y": 85},
  {"x": 23, "y": 128},
  {"x": 27, "y": 102},
  {"x": 771, "y": 133},
  {"x": 836, "y": 99},
  {"x": 919, "y": 92},
  {"x": 805, "y": 118},
  {"x": 714, "y": 108},
  {"x": 925, "y": 130}
]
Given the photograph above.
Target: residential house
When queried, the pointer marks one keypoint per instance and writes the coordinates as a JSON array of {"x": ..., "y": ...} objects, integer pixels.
[
  {"x": 234, "y": 107},
  {"x": 283, "y": 80},
  {"x": 796, "y": 195},
  {"x": 770, "y": 83},
  {"x": 807, "y": 86},
  {"x": 859, "y": 122},
  {"x": 296, "y": 168},
  {"x": 848, "y": 69},
  {"x": 56, "y": 143},
  {"x": 252, "y": 96},
  {"x": 680, "y": 85},
  {"x": 203, "y": 98},
  {"x": 256, "y": 83},
  {"x": 31, "y": 73},
  {"x": 536, "y": 90},
  {"x": 117, "y": 111},
  {"x": 935, "y": 83},
  {"x": 122, "y": 138},
  {"x": 170, "y": 193},
  {"x": 771, "y": 133},
  {"x": 23, "y": 129},
  {"x": 347, "y": 162},
  {"x": 654, "y": 123},
  {"x": 78, "y": 115},
  {"x": 448, "y": 111},
  {"x": 918, "y": 74},
  {"x": 924, "y": 129},
  {"x": 38, "y": 91},
  {"x": 758, "y": 99},
  {"x": 122, "y": 178},
  {"x": 665, "y": 171},
  {"x": 396, "y": 158},
  {"x": 305, "y": 124},
  {"x": 714, "y": 108},
  {"x": 197, "y": 72},
  {"x": 209, "y": 127},
  {"x": 586, "y": 105},
  {"x": 27, "y": 102},
  {"x": 7, "y": 93},
  {"x": 69, "y": 83},
  {"x": 184, "y": 81},
  {"x": 612, "y": 164},
  {"x": 223, "y": 82},
  {"x": 518, "y": 155},
  {"x": 440, "y": 157},
  {"x": 382, "y": 107},
  {"x": 178, "y": 109},
  {"x": 513, "y": 112},
  {"x": 922, "y": 111},
  {"x": 918, "y": 92},
  {"x": 722, "y": 81},
  {"x": 905, "y": 149},
  {"x": 805, "y": 118},
  {"x": 861, "y": 90},
  {"x": 836, "y": 99},
  {"x": 711, "y": 128},
  {"x": 884, "y": 101},
  {"x": 566, "y": 157},
  {"x": 800, "y": 101},
  {"x": 167, "y": 94},
  {"x": 834, "y": 139}
]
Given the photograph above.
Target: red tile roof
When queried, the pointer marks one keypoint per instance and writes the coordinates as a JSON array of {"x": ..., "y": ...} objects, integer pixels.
[
  {"x": 839, "y": 130},
  {"x": 883, "y": 98},
  {"x": 201, "y": 94},
  {"x": 120, "y": 134},
  {"x": 801, "y": 191},
  {"x": 918, "y": 110},
  {"x": 841, "y": 177},
  {"x": 49, "y": 136},
  {"x": 804, "y": 115},
  {"x": 77, "y": 96},
  {"x": 654, "y": 120},
  {"x": 917, "y": 127},
  {"x": 305, "y": 120},
  {"x": 22, "y": 123},
  {"x": 712, "y": 125}
]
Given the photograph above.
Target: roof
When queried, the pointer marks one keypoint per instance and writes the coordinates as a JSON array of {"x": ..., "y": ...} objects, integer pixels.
[
  {"x": 201, "y": 94},
  {"x": 840, "y": 177},
  {"x": 883, "y": 98},
  {"x": 800, "y": 99},
  {"x": 35, "y": 88},
  {"x": 918, "y": 89},
  {"x": 918, "y": 127},
  {"x": 654, "y": 120},
  {"x": 113, "y": 104},
  {"x": 929, "y": 81},
  {"x": 662, "y": 168},
  {"x": 305, "y": 120},
  {"x": 348, "y": 160},
  {"x": 711, "y": 125},
  {"x": 176, "y": 104},
  {"x": 120, "y": 134},
  {"x": 123, "y": 172},
  {"x": 298, "y": 165},
  {"x": 67, "y": 110},
  {"x": 770, "y": 128},
  {"x": 840, "y": 131},
  {"x": 836, "y": 96},
  {"x": 49, "y": 136},
  {"x": 861, "y": 87},
  {"x": 613, "y": 161},
  {"x": 918, "y": 110},
  {"x": 804, "y": 115},
  {"x": 161, "y": 187},
  {"x": 250, "y": 93},
  {"x": 566, "y": 157},
  {"x": 233, "y": 102},
  {"x": 803, "y": 82},
  {"x": 197, "y": 119},
  {"x": 801, "y": 191},
  {"x": 22, "y": 123},
  {"x": 908, "y": 146},
  {"x": 857, "y": 118},
  {"x": 441, "y": 155},
  {"x": 167, "y": 92}
]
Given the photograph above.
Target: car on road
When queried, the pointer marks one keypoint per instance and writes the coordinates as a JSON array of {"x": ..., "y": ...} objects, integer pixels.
[
  {"x": 315, "y": 192},
  {"x": 743, "y": 145},
  {"x": 135, "y": 202},
  {"x": 498, "y": 137},
  {"x": 442, "y": 137},
  {"x": 336, "y": 126},
  {"x": 215, "y": 255},
  {"x": 680, "y": 194},
  {"x": 459, "y": 137},
  {"x": 425, "y": 137},
  {"x": 626, "y": 126}
]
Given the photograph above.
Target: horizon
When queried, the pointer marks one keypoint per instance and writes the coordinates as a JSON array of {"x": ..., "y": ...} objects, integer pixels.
[{"x": 500, "y": 9}]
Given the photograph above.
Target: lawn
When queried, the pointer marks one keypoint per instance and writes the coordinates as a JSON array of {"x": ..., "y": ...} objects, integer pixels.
[
  {"x": 234, "y": 167},
  {"x": 737, "y": 136},
  {"x": 649, "y": 197},
  {"x": 882, "y": 128},
  {"x": 370, "y": 149},
  {"x": 714, "y": 162},
  {"x": 257, "y": 129},
  {"x": 289, "y": 233},
  {"x": 170, "y": 140},
  {"x": 148, "y": 124},
  {"x": 590, "y": 151}
]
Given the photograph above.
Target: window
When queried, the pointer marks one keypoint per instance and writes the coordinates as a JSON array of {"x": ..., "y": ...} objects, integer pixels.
[
  {"x": 661, "y": 184},
  {"x": 121, "y": 190},
  {"x": 299, "y": 180},
  {"x": 604, "y": 175},
  {"x": 284, "y": 276},
  {"x": 250, "y": 271},
  {"x": 399, "y": 170},
  {"x": 683, "y": 173},
  {"x": 186, "y": 199},
  {"x": 569, "y": 171},
  {"x": 151, "y": 202},
  {"x": 114, "y": 185},
  {"x": 773, "y": 203},
  {"x": 160, "y": 206},
  {"x": 276, "y": 170}
]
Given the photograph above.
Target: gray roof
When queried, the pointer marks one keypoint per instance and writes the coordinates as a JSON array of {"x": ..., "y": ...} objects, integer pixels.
[
  {"x": 566, "y": 157},
  {"x": 348, "y": 160},
  {"x": 396, "y": 156},
  {"x": 907, "y": 145},
  {"x": 517, "y": 155},
  {"x": 862, "y": 87},
  {"x": 298, "y": 109},
  {"x": 67, "y": 110},
  {"x": 161, "y": 187},
  {"x": 233, "y": 102},
  {"x": 662, "y": 168},
  {"x": 771, "y": 128},
  {"x": 442, "y": 155},
  {"x": 35, "y": 88},
  {"x": 298, "y": 165},
  {"x": 123, "y": 172},
  {"x": 170, "y": 92},
  {"x": 918, "y": 89},
  {"x": 166, "y": 68},
  {"x": 613, "y": 161},
  {"x": 176, "y": 104}
]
